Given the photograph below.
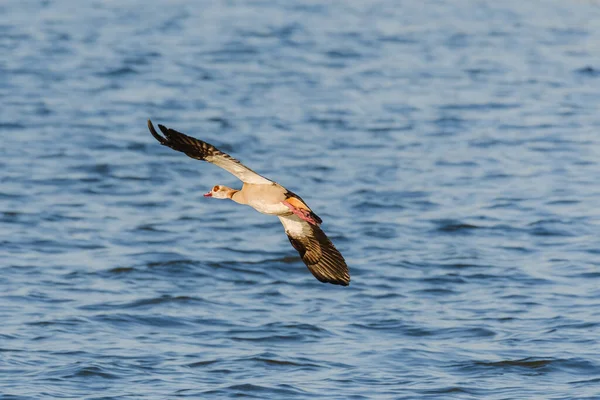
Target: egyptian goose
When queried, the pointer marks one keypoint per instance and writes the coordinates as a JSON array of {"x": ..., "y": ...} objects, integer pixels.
[{"x": 301, "y": 224}]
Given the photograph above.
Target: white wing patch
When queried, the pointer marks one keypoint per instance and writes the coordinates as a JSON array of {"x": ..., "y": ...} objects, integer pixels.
[
  {"x": 238, "y": 169},
  {"x": 294, "y": 226}
]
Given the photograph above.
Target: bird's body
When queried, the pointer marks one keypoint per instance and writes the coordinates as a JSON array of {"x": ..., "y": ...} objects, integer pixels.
[
  {"x": 301, "y": 224},
  {"x": 264, "y": 198}
]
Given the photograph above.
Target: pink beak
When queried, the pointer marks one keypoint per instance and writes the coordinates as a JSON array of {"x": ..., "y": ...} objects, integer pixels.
[{"x": 209, "y": 194}]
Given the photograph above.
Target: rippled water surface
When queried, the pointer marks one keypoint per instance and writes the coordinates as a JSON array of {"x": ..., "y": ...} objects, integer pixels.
[{"x": 451, "y": 147}]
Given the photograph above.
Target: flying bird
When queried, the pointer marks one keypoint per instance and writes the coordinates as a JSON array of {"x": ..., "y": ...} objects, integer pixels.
[{"x": 301, "y": 224}]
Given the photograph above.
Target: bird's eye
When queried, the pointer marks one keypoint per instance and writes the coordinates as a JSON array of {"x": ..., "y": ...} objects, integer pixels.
[{"x": 216, "y": 188}]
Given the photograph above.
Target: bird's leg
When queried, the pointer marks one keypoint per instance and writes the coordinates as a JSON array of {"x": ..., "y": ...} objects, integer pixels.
[{"x": 302, "y": 213}]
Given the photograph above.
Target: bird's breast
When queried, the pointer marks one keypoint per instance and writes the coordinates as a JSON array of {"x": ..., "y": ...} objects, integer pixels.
[
  {"x": 269, "y": 208},
  {"x": 266, "y": 199}
]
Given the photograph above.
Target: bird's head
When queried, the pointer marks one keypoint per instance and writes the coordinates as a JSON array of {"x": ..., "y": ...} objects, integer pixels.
[{"x": 220, "y": 192}]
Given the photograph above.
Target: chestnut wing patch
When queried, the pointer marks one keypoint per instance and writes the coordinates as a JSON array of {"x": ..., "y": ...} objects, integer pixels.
[{"x": 297, "y": 202}]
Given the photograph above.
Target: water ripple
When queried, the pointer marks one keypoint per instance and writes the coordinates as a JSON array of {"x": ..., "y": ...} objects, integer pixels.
[{"x": 451, "y": 149}]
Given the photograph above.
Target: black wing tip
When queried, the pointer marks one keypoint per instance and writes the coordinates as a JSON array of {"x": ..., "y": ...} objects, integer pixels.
[
  {"x": 164, "y": 129},
  {"x": 341, "y": 278},
  {"x": 342, "y": 281},
  {"x": 158, "y": 137}
]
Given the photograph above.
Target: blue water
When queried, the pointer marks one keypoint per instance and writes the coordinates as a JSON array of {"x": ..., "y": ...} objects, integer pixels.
[{"x": 452, "y": 149}]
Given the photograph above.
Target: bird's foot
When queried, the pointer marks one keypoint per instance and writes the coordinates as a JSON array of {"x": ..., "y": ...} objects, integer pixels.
[{"x": 302, "y": 213}]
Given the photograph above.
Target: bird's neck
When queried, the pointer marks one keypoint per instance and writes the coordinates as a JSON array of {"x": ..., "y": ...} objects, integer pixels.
[{"x": 237, "y": 196}]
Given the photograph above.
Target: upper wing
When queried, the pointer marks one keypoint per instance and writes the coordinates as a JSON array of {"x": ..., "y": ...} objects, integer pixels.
[
  {"x": 318, "y": 253},
  {"x": 203, "y": 151}
]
